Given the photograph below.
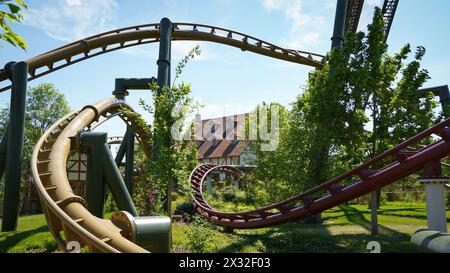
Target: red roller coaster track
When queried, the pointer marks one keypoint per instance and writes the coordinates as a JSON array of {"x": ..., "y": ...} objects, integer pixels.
[{"x": 352, "y": 184}]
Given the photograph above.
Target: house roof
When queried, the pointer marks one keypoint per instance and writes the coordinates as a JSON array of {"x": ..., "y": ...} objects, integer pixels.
[
  {"x": 223, "y": 148},
  {"x": 220, "y": 137}
]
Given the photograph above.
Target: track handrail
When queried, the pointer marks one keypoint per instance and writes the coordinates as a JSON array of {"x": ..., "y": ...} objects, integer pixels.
[{"x": 102, "y": 43}]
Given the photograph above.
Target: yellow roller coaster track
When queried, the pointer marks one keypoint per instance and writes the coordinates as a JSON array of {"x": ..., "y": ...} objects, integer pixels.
[
  {"x": 64, "y": 211},
  {"x": 144, "y": 34}
]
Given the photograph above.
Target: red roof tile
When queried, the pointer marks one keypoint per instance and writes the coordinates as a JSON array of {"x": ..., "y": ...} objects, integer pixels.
[{"x": 226, "y": 145}]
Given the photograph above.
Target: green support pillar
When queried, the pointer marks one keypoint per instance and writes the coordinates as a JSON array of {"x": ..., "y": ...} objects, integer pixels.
[
  {"x": 339, "y": 24},
  {"x": 163, "y": 79},
  {"x": 16, "y": 128},
  {"x": 165, "y": 44},
  {"x": 105, "y": 170},
  {"x": 95, "y": 185},
  {"x": 3, "y": 148},
  {"x": 129, "y": 163},
  {"x": 122, "y": 150},
  {"x": 115, "y": 182}
]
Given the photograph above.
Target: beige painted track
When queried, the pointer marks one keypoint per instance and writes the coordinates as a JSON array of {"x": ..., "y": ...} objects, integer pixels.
[
  {"x": 110, "y": 41},
  {"x": 66, "y": 214}
]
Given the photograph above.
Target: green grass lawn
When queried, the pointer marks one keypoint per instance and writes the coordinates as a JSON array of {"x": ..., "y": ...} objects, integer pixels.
[
  {"x": 32, "y": 236},
  {"x": 345, "y": 229}
]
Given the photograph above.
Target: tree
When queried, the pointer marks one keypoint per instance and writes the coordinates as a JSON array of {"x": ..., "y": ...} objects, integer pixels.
[
  {"x": 363, "y": 102},
  {"x": 273, "y": 171},
  {"x": 368, "y": 104},
  {"x": 10, "y": 12},
  {"x": 44, "y": 106},
  {"x": 175, "y": 157}
]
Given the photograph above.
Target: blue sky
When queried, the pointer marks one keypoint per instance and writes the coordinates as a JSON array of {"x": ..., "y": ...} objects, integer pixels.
[{"x": 226, "y": 80}]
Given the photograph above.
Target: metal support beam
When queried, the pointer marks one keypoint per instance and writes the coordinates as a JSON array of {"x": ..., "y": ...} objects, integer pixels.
[
  {"x": 126, "y": 149},
  {"x": 3, "y": 148},
  {"x": 444, "y": 97},
  {"x": 105, "y": 170},
  {"x": 95, "y": 185},
  {"x": 123, "y": 85},
  {"x": 129, "y": 162},
  {"x": 165, "y": 44},
  {"x": 122, "y": 150},
  {"x": 115, "y": 182},
  {"x": 127, "y": 146},
  {"x": 339, "y": 24},
  {"x": 15, "y": 146}
]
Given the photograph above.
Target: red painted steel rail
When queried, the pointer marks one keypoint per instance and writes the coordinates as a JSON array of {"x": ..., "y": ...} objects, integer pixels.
[{"x": 345, "y": 187}]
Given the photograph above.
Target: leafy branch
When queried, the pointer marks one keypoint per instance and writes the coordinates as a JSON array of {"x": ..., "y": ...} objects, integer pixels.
[{"x": 11, "y": 13}]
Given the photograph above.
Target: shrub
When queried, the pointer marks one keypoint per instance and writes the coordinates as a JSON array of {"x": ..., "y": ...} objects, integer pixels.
[
  {"x": 186, "y": 207},
  {"x": 198, "y": 235}
]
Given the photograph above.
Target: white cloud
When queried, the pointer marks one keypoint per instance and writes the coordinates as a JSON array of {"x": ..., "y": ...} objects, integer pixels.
[
  {"x": 306, "y": 29},
  {"x": 71, "y": 20}
]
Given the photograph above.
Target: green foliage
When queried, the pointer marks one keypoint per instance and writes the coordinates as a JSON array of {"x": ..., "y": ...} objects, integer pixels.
[
  {"x": 172, "y": 159},
  {"x": 186, "y": 207},
  {"x": 44, "y": 106},
  {"x": 362, "y": 102},
  {"x": 11, "y": 12},
  {"x": 198, "y": 235},
  {"x": 110, "y": 204}
]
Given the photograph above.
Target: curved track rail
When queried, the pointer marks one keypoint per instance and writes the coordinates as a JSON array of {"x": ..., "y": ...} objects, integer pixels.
[
  {"x": 65, "y": 212},
  {"x": 352, "y": 184},
  {"x": 144, "y": 34}
]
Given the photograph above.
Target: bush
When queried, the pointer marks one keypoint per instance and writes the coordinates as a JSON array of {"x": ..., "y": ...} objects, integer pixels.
[
  {"x": 186, "y": 207},
  {"x": 198, "y": 235},
  {"x": 228, "y": 194},
  {"x": 110, "y": 204}
]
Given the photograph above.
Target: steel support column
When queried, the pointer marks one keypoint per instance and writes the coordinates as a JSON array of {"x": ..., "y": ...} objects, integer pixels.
[
  {"x": 163, "y": 78},
  {"x": 115, "y": 182},
  {"x": 95, "y": 185},
  {"x": 14, "y": 148},
  {"x": 122, "y": 150},
  {"x": 129, "y": 162},
  {"x": 3, "y": 148},
  {"x": 105, "y": 170},
  {"x": 165, "y": 44},
  {"x": 339, "y": 24}
]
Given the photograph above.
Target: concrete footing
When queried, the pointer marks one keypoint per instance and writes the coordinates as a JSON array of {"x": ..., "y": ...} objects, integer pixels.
[
  {"x": 431, "y": 241},
  {"x": 435, "y": 200}
]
